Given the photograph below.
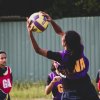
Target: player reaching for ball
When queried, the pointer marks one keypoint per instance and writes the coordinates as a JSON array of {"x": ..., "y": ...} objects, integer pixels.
[{"x": 77, "y": 84}]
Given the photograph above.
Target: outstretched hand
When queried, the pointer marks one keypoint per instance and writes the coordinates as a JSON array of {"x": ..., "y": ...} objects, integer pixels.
[
  {"x": 49, "y": 19},
  {"x": 29, "y": 25}
]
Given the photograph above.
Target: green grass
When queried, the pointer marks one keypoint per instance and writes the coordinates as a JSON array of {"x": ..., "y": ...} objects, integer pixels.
[
  {"x": 28, "y": 91},
  {"x": 31, "y": 91}
]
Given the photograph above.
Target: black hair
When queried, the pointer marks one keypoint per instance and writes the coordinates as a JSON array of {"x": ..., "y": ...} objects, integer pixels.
[
  {"x": 74, "y": 47},
  {"x": 53, "y": 67},
  {"x": 2, "y": 70},
  {"x": 2, "y": 52}
]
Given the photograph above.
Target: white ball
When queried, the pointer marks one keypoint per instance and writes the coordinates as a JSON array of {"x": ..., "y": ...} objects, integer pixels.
[{"x": 39, "y": 22}]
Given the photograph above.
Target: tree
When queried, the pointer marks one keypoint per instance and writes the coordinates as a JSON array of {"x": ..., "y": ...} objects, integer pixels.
[{"x": 72, "y": 8}]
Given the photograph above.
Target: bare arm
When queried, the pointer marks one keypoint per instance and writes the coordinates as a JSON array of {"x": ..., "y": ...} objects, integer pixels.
[
  {"x": 49, "y": 87},
  {"x": 34, "y": 43},
  {"x": 56, "y": 27}
]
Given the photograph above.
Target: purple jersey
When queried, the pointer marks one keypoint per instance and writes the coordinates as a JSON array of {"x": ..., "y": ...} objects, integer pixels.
[
  {"x": 81, "y": 66},
  {"x": 79, "y": 80},
  {"x": 57, "y": 88}
]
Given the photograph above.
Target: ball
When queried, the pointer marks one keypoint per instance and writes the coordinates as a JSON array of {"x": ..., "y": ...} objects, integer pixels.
[{"x": 39, "y": 22}]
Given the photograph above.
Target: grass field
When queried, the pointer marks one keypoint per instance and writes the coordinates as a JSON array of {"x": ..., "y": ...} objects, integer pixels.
[
  {"x": 29, "y": 91},
  {"x": 30, "y": 99}
]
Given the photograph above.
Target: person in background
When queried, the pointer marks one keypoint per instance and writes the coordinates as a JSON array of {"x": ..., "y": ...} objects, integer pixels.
[
  {"x": 77, "y": 84},
  {"x": 98, "y": 82},
  {"x": 54, "y": 82},
  {"x": 5, "y": 77}
]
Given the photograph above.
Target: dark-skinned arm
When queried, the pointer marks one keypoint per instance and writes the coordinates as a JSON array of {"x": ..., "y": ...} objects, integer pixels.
[
  {"x": 34, "y": 43},
  {"x": 55, "y": 26}
]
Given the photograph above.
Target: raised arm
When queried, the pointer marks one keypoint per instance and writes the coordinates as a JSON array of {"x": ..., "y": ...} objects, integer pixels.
[
  {"x": 56, "y": 27},
  {"x": 49, "y": 87},
  {"x": 34, "y": 43}
]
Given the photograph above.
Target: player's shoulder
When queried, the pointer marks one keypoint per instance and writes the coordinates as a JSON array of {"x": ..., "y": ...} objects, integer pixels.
[
  {"x": 52, "y": 75},
  {"x": 85, "y": 59},
  {"x": 9, "y": 68}
]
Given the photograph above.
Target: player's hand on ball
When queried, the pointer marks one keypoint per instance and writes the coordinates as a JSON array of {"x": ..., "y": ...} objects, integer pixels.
[
  {"x": 49, "y": 19},
  {"x": 29, "y": 26}
]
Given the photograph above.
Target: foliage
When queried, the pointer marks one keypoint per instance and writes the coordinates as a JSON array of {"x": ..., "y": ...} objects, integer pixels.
[{"x": 72, "y": 8}]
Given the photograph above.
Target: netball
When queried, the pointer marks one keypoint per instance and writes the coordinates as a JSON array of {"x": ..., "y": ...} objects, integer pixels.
[
  {"x": 49, "y": 50},
  {"x": 39, "y": 22}
]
